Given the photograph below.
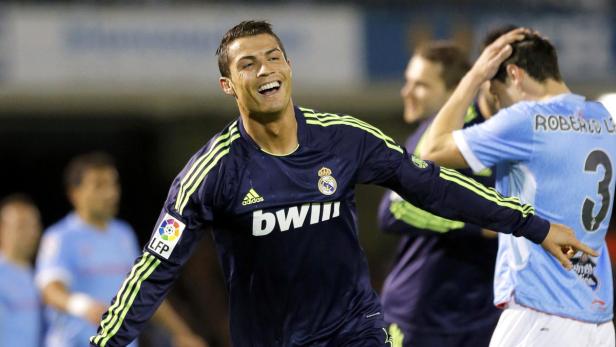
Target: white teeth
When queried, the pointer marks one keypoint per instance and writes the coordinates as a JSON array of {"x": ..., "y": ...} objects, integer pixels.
[{"x": 270, "y": 85}]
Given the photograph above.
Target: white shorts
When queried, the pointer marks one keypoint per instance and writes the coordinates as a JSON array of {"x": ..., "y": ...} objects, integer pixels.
[{"x": 523, "y": 327}]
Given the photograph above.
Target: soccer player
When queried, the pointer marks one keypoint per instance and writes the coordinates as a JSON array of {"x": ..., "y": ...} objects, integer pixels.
[
  {"x": 553, "y": 149},
  {"x": 439, "y": 291},
  {"x": 20, "y": 307},
  {"x": 84, "y": 257},
  {"x": 276, "y": 186}
]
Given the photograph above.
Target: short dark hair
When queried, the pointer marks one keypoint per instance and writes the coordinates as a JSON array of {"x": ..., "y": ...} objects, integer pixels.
[
  {"x": 497, "y": 32},
  {"x": 452, "y": 58},
  {"x": 16, "y": 199},
  {"x": 534, "y": 54},
  {"x": 76, "y": 168},
  {"x": 244, "y": 29}
]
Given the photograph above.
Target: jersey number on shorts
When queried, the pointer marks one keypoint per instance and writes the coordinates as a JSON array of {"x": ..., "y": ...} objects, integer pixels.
[{"x": 594, "y": 159}]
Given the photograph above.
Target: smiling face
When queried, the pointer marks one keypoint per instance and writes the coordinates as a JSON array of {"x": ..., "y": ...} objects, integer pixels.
[
  {"x": 260, "y": 75},
  {"x": 424, "y": 91}
]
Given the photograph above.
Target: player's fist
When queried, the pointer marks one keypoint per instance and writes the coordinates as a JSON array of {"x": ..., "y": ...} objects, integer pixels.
[{"x": 562, "y": 244}]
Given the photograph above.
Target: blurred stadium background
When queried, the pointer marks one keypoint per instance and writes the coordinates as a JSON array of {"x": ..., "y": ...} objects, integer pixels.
[{"x": 139, "y": 79}]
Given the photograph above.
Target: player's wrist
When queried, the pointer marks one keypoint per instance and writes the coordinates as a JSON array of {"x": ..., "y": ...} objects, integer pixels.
[
  {"x": 473, "y": 79},
  {"x": 79, "y": 304}
]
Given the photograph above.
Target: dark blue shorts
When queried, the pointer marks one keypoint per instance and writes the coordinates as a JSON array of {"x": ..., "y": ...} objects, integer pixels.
[{"x": 363, "y": 333}]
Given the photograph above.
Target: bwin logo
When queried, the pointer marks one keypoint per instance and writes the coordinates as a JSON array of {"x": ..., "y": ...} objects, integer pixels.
[{"x": 264, "y": 222}]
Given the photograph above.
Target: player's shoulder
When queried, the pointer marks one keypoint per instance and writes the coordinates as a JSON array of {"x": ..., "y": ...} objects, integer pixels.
[
  {"x": 63, "y": 228},
  {"x": 332, "y": 124},
  {"x": 121, "y": 226},
  {"x": 218, "y": 148}
]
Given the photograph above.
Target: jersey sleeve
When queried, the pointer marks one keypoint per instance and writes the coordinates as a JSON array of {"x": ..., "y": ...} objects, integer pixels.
[
  {"x": 185, "y": 217},
  {"x": 445, "y": 192},
  {"x": 54, "y": 261},
  {"x": 399, "y": 216},
  {"x": 507, "y": 136}
]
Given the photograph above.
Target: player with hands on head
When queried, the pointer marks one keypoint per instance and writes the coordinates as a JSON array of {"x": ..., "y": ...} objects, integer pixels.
[{"x": 556, "y": 150}]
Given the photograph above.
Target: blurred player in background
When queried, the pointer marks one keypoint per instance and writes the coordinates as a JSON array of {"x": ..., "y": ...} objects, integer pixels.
[
  {"x": 439, "y": 292},
  {"x": 557, "y": 151},
  {"x": 20, "y": 307},
  {"x": 277, "y": 188},
  {"x": 85, "y": 256}
]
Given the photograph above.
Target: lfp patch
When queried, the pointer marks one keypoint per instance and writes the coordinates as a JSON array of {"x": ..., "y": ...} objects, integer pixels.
[{"x": 166, "y": 236}]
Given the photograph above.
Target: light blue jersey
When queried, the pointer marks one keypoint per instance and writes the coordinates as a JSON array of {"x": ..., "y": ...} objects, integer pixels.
[
  {"x": 559, "y": 155},
  {"x": 20, "y": 307},
  {"x": 87, "y": 260}
]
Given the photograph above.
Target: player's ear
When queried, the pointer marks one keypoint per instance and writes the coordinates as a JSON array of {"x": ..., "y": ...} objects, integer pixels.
[
  {"x": 515, "y": 73},
  {"x": 227, "y": 86}
]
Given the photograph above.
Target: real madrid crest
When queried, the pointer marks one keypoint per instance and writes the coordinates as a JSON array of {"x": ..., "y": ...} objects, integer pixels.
[{"x": 327, "y": 183}]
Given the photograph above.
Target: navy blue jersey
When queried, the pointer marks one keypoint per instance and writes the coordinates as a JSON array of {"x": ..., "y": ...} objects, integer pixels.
[
  {"x": 443, "y": 272},
  {"x": 285, "y": 228}
]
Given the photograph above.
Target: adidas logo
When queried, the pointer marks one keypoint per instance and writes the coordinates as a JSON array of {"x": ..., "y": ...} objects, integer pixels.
[{"x": 252, "y": 197}]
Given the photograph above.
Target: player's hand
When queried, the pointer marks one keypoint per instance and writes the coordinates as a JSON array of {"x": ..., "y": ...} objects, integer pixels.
[
  {"x": 188, "y": 340},
  {"x": 489, "y": 234},
  {"x": 94, "y": 313},
  {"x": 493, "y": 55},
  {"x": 562, "y": 244}
]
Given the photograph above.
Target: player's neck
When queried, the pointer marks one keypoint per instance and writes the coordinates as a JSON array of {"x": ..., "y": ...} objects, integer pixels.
[
  {"x": 93, "y": 220},
  {"x": 15, "y": 258},
  {"x": 548, "y": 89},
  {"x": 273, "y": 133}
]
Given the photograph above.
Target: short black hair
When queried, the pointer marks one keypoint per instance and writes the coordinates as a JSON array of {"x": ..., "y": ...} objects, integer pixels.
[
  {"x": 16, "y": 199},
  {"x": 497, "y": 32},
  {"x": 454, "y": 61},
  {"x": 534, "y": 54},
  {"x": 244, "y": 29},
  {"x": 76, "y": 168}
]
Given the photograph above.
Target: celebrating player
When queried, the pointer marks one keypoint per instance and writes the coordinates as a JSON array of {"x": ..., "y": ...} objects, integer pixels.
[
  {"x": 276, "y": 186},
  {"x": 553, "y": 149}
]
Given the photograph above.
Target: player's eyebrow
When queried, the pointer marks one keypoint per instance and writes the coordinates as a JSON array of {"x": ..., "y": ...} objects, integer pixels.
[{"x": 252, "y": 57}]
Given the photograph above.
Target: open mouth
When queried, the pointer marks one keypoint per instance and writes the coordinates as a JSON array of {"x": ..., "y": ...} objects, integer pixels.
[{"x": 269, "y": 88}]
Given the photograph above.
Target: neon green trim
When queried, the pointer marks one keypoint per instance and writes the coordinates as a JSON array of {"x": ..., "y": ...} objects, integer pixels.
[
  {"x": 488, "y": 195},
  {"x": 418, "y": 218},
  {"x": 324, "y": 117},
  {"x": 151, "y": 269},
  {"x": 316, "y": 122},
  {"x": 396, "y": 336},
  {"x": 198, "y": 165},
  {"x": 471, "y": 114},
  {"x": 204, "y": 173},
  {"x": 327, "y": 119},
  {"x": 486, "y": 190},
  {"x": 126, "y": 288}
]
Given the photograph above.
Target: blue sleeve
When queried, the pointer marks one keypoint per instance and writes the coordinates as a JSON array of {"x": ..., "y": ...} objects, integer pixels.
[
  {"x": 507, "y": 136},
  {"x": 185, "y": 217},
  {"x": 441, "y": 191},
  {"x": 54, "y": 260}
]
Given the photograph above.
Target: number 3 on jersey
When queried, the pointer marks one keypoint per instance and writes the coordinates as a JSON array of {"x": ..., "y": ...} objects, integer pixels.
[{"x": 595, "y": 158}]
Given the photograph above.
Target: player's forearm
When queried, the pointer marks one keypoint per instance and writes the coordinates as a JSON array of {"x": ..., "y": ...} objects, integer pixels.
[
  {"x": 487, "y": 208},
  {"x": 56, "y": 295},
  {"x": 450, "y": 118},
  {"x": 167, "y": 317},
  {"x": 138, "y": 298}
]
